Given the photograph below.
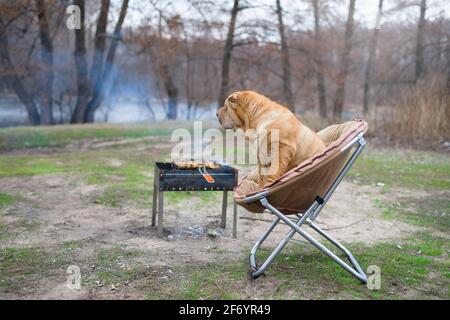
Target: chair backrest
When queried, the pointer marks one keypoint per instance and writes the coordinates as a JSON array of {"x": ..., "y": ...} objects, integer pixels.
[{"x": 296, "y": 190}]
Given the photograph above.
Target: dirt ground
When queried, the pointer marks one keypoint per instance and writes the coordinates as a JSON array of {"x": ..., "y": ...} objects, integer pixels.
[
  {"x": 61, "y": 210},
  {"x": 65, "y": 210}
]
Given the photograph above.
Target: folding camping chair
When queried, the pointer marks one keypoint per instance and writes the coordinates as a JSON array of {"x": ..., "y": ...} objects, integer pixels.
[{"x": 304, "y": 191}]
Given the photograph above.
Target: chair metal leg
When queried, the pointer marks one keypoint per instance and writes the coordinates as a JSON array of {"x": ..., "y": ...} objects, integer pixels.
[
  {"x": 340, "y": 177},
  {"x": 340, "y": 247},
  {"x": 257, "y": 272},
  {"x": 308, "y": 217},
  {"x": 358, "y": 273}
]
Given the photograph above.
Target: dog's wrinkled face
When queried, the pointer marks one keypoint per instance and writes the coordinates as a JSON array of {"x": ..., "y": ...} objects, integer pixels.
[
  {"x": 231, "y": 114},
  {"x": 224, "y": 113}
]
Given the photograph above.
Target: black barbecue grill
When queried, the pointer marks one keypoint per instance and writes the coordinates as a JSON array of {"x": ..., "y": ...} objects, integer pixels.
[{"x": 168, "y": 177}]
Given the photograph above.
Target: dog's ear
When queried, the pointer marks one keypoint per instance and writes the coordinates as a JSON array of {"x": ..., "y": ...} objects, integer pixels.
[{"x": 233, "y": 99}]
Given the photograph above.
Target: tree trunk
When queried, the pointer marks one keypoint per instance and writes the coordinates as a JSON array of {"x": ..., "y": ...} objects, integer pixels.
[
  {"x": 319, "y": 62},
  {"x": 99, "y": 91},
  {"x": 189, "y": 110},
  {"x": 14, "y": 81},
  {"x": 448, "y": 65},
  {"x": 227, "y": 55},
  {"x": 172, "y": 93},
  {"x": 189, "y": 73},
  {"x": 83, "y": 88},
  {"x": 286, "y": 64},
  {"x": 47, "y": 61},
  {"x": 344, "y": 65},
  {"x": 370, "y": 59},
  {"x": 420, "y": 41},
  {"x": 100, "y": 43}
]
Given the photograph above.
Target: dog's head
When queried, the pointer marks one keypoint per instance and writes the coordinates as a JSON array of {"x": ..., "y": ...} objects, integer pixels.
[{"x": 236, "y": 107}]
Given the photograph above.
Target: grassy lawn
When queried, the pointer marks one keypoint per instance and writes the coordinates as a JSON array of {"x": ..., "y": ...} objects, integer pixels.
[
  {"x": 22, "y": 268},
  {"x": 418, "y": 267},
  {"x": 399, "y": 168},
  {"x": 6, "y": 199},
  {"x": 113, "y": 266},
  {"x": 59, "y": 136},
  {"x": 430, "y": 211}
]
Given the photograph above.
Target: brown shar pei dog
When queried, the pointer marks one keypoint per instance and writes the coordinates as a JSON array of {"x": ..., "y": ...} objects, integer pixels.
[{"x": 271, "y": 126}]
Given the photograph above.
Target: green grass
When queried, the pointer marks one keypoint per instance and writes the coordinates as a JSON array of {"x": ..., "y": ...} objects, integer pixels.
[
  {"x": 6, "y": 199},
  {"x": 216, "y": 280},
  {"x": 205, "y": 197},
  {"x": 209, "y": 283},
  {"x": 72, "y": 245},
  {"x": 402, "y": 267},
  {"x": 418, "y": 268},
  {"x": 116, "y": 265},
  {"x": 96, "y": 164},
  {"x": 27, "y": 166},
  {"x": 58, "y": 136},
  {"x": 19, "y": 227},
  {"x": 407, "y": 271},
  {"x": 23, "y": 268},
  {"x": 430, "y": 211},
  {"x": 129, "y": 181},
  {"x": 4, "y": 231},
  {"x": 409, "y": 169},
  {"x": 118, "y": 196}
]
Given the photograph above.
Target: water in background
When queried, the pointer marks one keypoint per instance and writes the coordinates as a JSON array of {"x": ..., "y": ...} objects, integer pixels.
[
  {"x": 126, "y": 110},
  {"x": 13, "y": 113}
]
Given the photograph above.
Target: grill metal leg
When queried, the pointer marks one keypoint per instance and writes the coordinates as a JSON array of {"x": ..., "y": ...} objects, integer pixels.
[
  {"x": 160, "y": 213},
  {"x": 235, "y": 218},
  {"x": 223, "y": 221},
  {"x": 155, "y": 202}
]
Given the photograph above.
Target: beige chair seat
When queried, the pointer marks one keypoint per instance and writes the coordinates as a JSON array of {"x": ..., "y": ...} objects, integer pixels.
[{"x": 296, "y": 190}]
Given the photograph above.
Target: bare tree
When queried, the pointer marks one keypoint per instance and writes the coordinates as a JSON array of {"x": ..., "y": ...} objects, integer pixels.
[
  {"x": 448, "y": 64},
  {"x": 164, "y": 53},
  {"x": 165, "y": 70},
  {"x": 420, "y": 41},
  {"x": 225, "y": 79},
  {"x": 189, "y": 71},
  {"x": 100, "y": 86},
  {"x": 370, "y": 59},
  {"x": 344, "y": 64},
  {"x": 83, "y": 88},
  {"x": 321, "y": 91},
  {"x": 172, "y": 92},
  {"x": 177, "y": 57},
  {"x": 13, "y": 79},
  {"x": 99, "y": 46},
  {"x": 91, "y": 93},
  {"x": 286, "y": 64},
  {"x": 47, "y": 62}
]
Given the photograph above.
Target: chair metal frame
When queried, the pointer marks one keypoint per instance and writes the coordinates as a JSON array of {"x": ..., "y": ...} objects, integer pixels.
[{"x": 308, "y": 218}]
